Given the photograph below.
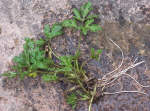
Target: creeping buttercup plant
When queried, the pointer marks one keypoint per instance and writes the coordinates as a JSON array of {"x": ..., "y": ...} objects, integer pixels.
[
  {"x": 37, "y": 58},
  {"x": 83, "y": 20}
]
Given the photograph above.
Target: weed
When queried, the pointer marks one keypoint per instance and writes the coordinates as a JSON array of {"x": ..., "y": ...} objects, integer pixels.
[
  {"x": 83, "y": 20},
  {"x": 50, "y": 33},
  {"x": 33, "y": 61},
  {"x": 72, "y": 100},
  {"x": 37, "y": 59},
  {"x": 30, "y": 60}
]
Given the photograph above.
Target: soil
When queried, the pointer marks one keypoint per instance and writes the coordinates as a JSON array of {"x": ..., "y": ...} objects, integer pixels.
[{"x": 134, "y": 41}]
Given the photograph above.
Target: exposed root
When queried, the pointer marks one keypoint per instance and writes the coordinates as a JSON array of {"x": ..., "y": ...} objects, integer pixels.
[
  {"x": 136, "y": 81},
  {"x": 98, "y": 86},
  {"x": 112, "y": 76},
  {"x": 108, "y": 93},
  {"x": 121, "y": 60}
]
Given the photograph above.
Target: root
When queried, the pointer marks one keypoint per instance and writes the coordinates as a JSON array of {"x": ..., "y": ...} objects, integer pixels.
[
  {"x": 136, "y": 81},
  {"x": 108, "y": 93},
  {"x": 111, "y": 77},
  {"x": 121, "y": 60}
]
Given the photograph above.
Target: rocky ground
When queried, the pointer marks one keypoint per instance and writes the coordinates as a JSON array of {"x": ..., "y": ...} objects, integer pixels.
[{"x": 127, "y": 22}]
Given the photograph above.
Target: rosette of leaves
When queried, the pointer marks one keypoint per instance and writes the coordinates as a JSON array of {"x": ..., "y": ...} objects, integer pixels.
[
  {"x": 83, "y": 20},
  {"x": 30, "y": 60}
]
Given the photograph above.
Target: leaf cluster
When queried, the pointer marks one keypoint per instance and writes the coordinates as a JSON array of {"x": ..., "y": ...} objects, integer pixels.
[
  {"x": 54, "y": 31},
  {"x": 72, "y": 100},
  {"x": 95, "y": 53},
  {"x": 83, "y": 20},
  {"x": 31, "y": 59}
]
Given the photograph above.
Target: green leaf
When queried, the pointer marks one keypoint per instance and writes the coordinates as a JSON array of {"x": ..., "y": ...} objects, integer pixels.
[
  {"x": 95, "y": 54},
  {"x": 42, "y": 65},
  {"x": 70, "y": 23},
  {"x": 72, "y": 100},
  {"x": 85, "y": 9},
  {"x": 23, "y": 74},
  {"x": 92, "y": 53},
  {"x": 66, "y": 60},
  {"x": 56, "y": 28},
  {"x": 31, "y": 59},
  {"x": 99, "y": 51},
  {"x": 48, "y": 77},
  {"x": 65, "y": 69},
  {"x": 84, "y": 30},
  {"x": 10, "y": 74},
  {"x": 95, "y": 28},
  {"x": 40, "y": 42},
  {"x": 56, "y": 31},
  {"x": 77, "y": 14},
  {"x": 89, "y": 22},
  {"x": 54, "y": 34},
  {"x": 33, "y": 74},
  {"x": 92, "y": 16},
  {"x": 83, "y": 96},
  {"x": 47, "y": 30}
]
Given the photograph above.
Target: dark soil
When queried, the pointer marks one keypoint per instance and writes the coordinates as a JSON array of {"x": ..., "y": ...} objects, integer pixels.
[{"x": 134, "y": 41}]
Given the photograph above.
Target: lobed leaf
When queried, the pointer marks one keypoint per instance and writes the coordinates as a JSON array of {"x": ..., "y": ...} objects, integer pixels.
[
  {"x": 95, "y": 28},
  {"x": 56, "y": 28},
  {"x": 48, "y": 77},
  {"x": 70, "y": 23},
  {"x": 47, "y": 30},
  {"x": 89, "y": 22},
  {"x": 77, "y": 14},
  {"x": 84, "y": 30},
  {"x": 92, "y": 16},
  {"x": 10, "y": 74},
  {"x": 85, "y": 9},
  {"x": 40, "y": 42}
]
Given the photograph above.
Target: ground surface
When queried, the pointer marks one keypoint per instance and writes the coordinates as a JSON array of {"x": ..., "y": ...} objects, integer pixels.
[{"x": 124, "y": 21}]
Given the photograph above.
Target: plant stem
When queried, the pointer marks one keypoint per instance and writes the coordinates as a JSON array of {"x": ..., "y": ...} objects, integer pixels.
[
  {"x": 79, "y": 43},
  {"x": 51, "y": 51},
  {"x": 81, "y": 85},
  {"x": 91, "y": 100}
]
